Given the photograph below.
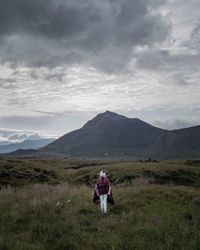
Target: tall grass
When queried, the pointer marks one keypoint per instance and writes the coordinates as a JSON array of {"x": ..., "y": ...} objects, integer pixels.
[{"x": 146, "y": 216}]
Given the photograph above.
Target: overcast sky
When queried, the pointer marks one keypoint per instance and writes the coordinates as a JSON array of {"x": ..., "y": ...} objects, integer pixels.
[{"x": 64, "y": 61}]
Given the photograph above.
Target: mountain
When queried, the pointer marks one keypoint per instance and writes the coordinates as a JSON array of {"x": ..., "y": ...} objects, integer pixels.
[
  {"x": 28, "y": 144},
  {"x": 113, "y": 135},
  {"x": 180, "y": 143},
  {"x": 108, "y": 133}
]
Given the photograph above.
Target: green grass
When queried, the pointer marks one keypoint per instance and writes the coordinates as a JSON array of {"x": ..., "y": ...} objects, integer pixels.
[
  {"x": 20, "y": 171},
  {"x": 151, "y": 211}
]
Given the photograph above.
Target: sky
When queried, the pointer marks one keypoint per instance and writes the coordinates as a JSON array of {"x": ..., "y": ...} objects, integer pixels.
[{"x": 64, "y": 61}]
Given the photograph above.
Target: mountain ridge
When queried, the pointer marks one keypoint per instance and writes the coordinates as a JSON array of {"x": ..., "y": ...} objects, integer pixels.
[{"x": 112, "y": 135}]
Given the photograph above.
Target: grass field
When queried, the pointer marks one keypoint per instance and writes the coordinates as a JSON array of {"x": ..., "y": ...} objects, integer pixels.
[{"x": 47, "y": 204}]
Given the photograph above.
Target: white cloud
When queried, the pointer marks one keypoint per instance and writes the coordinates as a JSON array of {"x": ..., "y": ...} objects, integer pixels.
[
  {"x": 8, "y": 136},
  {"x": 41, "y": 97},
  {"x": 176, "y": 123}
]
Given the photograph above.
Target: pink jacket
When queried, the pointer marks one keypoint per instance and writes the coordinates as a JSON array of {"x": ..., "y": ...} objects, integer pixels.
[{"x": 102, "y": 186}]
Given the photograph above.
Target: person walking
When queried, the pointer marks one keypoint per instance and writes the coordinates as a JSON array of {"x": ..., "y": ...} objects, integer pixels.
[{"x": 103, "y": 192}]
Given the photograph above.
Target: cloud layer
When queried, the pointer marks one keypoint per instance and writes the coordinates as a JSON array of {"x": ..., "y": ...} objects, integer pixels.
[
  {"x": 63, "y": 61},
  {"x": 8, "y": 136},
  {"x": 101, "y": 34}
]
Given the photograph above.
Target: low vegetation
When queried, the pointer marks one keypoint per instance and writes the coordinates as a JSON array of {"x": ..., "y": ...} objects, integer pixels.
[{"x": 157, "y": 205}]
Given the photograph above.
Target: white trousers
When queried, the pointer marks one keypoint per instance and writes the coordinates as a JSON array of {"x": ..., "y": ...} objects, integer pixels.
[{"x": 103, "y": 203}]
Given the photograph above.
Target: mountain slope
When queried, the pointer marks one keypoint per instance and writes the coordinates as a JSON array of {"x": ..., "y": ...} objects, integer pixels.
[
  {"x": 113, "y": 135},
  {"x": 179, "y": 143},
  {"x": 107, "y": 133}
]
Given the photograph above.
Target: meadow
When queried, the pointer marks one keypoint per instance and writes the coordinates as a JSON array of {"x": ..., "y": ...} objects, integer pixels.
[{"x": 47, "y": 204}]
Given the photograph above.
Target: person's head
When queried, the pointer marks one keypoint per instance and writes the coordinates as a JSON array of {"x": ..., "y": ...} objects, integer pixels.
[{"x": 102, "y": 173}]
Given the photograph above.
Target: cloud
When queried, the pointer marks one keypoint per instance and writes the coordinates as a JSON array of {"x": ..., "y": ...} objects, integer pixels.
[
  {"x": 85, "y": 89},
  {"x": 63, "y": 61},
  {"x": 175, "y": 123},
  {"x": 8, "y": 136},
  {"x": 47, "y": 124},
  {"x": 48, "y": 33},
  {"x": 6, "y": 84}
]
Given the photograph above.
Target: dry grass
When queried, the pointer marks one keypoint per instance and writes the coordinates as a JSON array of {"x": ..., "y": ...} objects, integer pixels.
[
  {"x": 146, "y": 215},
  {"x": 64, "y": 217}
]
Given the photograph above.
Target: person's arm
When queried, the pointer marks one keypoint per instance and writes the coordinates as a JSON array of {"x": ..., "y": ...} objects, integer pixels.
[
  {"x": 109, "y": 189},
  {"x": 96, "y": 190}
]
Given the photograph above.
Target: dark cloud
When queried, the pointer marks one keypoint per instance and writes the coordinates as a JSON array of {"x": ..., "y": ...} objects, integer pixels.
[
  {"x": 179, "y": 67},
  {"x": 46, "y": 113},
  {"x": 52, "y": 32},
  {"x": 55, "y": 76},
  {"x": 135, "y": 25},
  {"x": 164, "y": 60},
  {"x": 39, "y": 17}
]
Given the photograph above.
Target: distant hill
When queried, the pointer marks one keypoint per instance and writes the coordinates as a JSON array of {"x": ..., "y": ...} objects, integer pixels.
[
  {"x": 112, "y": 135},
  {"x": 28, "y": 144},
  {"x": 107, "y": 133},
  {"x": 180, "y": 143},
  {"x": 116, "y": 135}
]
